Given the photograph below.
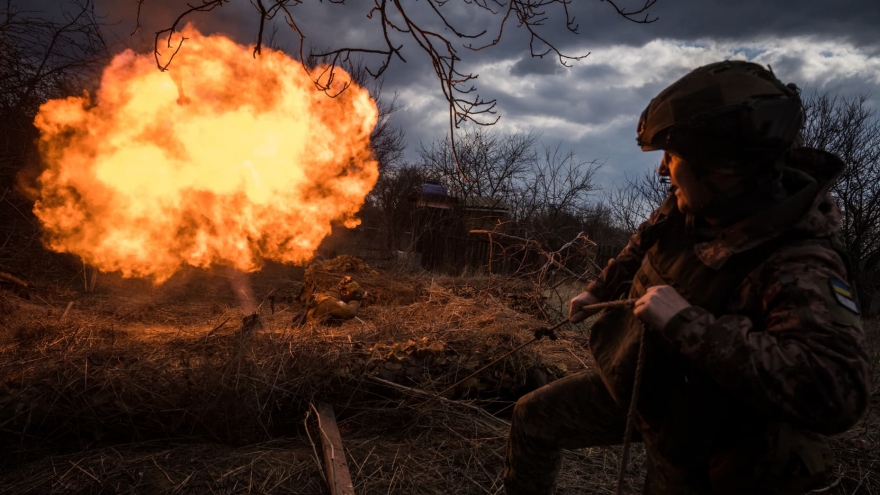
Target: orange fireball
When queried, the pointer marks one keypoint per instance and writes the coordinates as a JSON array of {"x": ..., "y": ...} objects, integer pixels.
[{"x": 223, "y": 159}]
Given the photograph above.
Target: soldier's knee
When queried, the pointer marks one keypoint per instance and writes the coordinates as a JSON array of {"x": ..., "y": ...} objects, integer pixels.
[
  {"x": 520, "y": 409},
  {"x": 527, "y": 408}
]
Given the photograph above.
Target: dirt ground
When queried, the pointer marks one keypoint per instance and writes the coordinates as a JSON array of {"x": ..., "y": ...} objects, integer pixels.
[{"x": 132, "y": 388}]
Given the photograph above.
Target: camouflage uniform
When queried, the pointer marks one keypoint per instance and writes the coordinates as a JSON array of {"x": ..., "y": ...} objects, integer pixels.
[
  {"x": 736, "y": 387},
  {"x": 336, "y": 305}
]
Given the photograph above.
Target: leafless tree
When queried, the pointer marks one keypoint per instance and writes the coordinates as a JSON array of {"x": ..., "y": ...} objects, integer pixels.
[
  {"x": 43, "y": 58},
  {"x": 598, "y": 221},
  {"x": 387, "y": 139},
  {"x": 431, "y": 27},
  {"x": 554, "y": 192},
  {"x": 630, "y": 204},
  {"x": 546, "y": 189},
  {"x": 392, "y": 199},
  {"x": 851, "y": 130},
  {"x": 43, "y": 55},
  {"x": 490, "y": 164}
]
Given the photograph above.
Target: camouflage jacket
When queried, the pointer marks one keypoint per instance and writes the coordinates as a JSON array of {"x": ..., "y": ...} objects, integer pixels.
[
  {"x": 782, "y": 343},
  {"x": 330, "y": 306}
]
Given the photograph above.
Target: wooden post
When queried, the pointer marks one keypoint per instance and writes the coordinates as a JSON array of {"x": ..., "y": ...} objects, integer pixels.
[{"x": 334, "y": 456}]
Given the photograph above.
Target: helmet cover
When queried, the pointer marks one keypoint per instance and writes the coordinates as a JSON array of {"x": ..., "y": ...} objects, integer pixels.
[
  {"x": 350, "y": 290},
  {"x": 733, "y": 109}
]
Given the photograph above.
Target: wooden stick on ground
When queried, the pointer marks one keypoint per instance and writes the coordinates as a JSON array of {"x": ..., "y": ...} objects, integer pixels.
[
  {"x": 334, "y": 456},
  {"x": 12, "y": 279},
  {"x": 64, "y": 314}
]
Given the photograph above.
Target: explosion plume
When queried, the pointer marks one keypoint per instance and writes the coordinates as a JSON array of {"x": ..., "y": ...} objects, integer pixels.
[{"x": 223, "y": 159}]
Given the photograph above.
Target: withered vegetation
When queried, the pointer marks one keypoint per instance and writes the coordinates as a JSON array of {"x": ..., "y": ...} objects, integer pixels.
[{"x": 172, "y": 389}]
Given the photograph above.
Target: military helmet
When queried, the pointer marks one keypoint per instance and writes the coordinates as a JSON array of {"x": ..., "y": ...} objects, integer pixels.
[
  {"x": 733, "y": 110},
  {"x": 350, "y": 290}
]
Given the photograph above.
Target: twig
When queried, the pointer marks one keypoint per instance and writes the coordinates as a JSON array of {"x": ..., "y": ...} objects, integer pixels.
[
  {"x": 586, "y": 367},
  {"x": 422, "y": 393},
  {"x": 153, "y": 458},
  {"x": 13, "y": 279},
  {"x": 495, "y": 361},
  {"x": 829, "y": 487},
  {"x": 67, "y": 310},
  {"x": 312, "y": 442},
  {"x": 90, "y": 475},
  {"x": 218, "y": 327},
  {"x": 538, "y": 336},
  {"x": 533, "y": 243},
  {"x": 338, "y": 476}
]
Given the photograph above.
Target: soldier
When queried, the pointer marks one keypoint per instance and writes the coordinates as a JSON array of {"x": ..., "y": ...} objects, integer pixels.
[
  {"x": 754, "y": 346},
  {"x": 335, "y": 305}
]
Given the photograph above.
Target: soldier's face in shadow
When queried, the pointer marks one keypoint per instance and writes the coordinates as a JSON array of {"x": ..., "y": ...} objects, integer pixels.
[
  {"x": 717, "y": 185},
  {"x": 690, "y": 194}
]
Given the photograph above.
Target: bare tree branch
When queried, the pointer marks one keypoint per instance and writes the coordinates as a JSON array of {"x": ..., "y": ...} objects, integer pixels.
[
  {"x": 630, "y": 15},
  {"x": 849, "y": 129},
  {"x": 206, "y": 6},
  {"x": 43, "y": 55},
  {"x": 401, "y": 23},
  {"x": 631, "y": 203},
  {"x": 488, "y": 164}
]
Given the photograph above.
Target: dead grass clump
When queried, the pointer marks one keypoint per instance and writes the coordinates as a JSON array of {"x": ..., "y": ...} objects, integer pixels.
[
  {"x": 857, "y": 451},
  {"x": 33, "y": 335},
  {"x": 281, "y": 466},
  {"x": 87, "y": 386},
  {"x": 400, "y": 289},
  {"x": 404, "y": 288},
  {"x": 347, "y": 264},
  {"x": 7, "y": 307},
  {"x": 89, "y": 382},
  {"x": 202, "y": 400}
]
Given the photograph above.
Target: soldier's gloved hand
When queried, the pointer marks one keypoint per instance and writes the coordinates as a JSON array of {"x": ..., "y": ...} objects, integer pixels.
[
  {"x": 575, "y": 312},
  {"x": 659, "y": 304}
]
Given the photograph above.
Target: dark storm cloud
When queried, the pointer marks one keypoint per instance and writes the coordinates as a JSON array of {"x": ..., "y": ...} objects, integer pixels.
[
  {"x": 578, "y": 104},
  {"x": 599, "y": 73},
  {"x": 854, "y": 20},
  {"x": 592, "y": 106},
  {"x": 538, "y": 66}
]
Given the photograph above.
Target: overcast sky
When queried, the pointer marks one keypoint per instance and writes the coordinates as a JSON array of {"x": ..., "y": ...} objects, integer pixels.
[{"x": 591, "y": 107}]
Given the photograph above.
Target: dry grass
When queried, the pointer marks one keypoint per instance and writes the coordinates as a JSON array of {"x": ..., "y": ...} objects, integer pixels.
[
  {"x": 169, "y": 390},
  {"x": 858, "y": 450}
]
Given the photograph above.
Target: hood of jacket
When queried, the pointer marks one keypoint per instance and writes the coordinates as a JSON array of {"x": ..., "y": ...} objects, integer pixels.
[{"x": 808, "y": 210}]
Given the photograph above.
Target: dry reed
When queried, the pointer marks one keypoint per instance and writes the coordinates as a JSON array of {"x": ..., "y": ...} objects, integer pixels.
[{"x": 168, "y": 391}]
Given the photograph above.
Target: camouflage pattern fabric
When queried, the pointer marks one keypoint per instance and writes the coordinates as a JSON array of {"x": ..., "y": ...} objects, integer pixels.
[
  {"x": 334, "y": 305},
  {"x": 574, "y": 412},
  {"x": 330, "y": 307},
  {"x": 738, "y": 386}
]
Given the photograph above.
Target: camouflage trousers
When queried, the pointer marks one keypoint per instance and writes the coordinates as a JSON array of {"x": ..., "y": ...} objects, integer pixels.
[
  {"x": 571, "y": 413},
  {"x": 578, "y": 412}
]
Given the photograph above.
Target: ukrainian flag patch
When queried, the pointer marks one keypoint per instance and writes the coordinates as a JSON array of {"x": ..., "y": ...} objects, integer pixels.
[{"x": 844, "y": 295}]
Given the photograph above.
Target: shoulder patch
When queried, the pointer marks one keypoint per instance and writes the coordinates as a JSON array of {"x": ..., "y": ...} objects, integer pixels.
[{"x": 844, "y": 295}]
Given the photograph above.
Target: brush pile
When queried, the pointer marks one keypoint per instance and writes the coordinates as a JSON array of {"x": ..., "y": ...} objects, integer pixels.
[{"x": 136, "y": 389}]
